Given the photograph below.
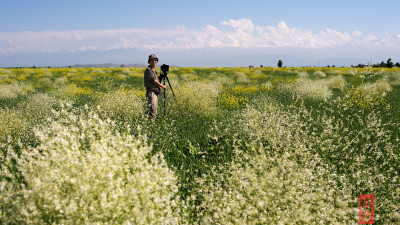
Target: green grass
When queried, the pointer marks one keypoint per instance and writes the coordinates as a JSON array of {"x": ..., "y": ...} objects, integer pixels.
[{"x": 240, "y": 145}]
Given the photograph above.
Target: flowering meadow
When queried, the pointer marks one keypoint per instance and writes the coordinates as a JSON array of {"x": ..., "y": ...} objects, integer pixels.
[{"x": 235, "y": 146}]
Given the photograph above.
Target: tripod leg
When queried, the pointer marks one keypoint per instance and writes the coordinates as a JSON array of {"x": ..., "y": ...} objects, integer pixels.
[
  {"x": 172, "y": 90},
  {"x": 165, "y": 96}
]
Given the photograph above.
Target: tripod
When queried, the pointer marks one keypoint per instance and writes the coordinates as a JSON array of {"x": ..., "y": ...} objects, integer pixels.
[{"x": 164, "y": 76}]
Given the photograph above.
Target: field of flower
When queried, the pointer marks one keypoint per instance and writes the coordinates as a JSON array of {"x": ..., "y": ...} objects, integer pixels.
[{"x": 236, "y": 146}]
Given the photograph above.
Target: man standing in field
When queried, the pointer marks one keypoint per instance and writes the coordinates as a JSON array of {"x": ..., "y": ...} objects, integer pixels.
[{"x": 152, "y": 86}]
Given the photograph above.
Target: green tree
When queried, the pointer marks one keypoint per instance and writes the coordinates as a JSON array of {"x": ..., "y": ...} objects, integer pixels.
[
  {"x": 280, "y": 63},
  {"x": 382, "y": 64},
  {"x": 389, "y": 63}
]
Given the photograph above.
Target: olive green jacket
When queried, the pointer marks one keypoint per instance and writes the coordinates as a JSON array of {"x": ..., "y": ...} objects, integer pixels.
[{"x": 149, "y": 77}]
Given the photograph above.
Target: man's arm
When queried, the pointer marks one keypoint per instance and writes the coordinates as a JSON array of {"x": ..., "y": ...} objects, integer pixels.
[
  {"x": 159, "y": 84},
  {"x": 151, "y": 77}
]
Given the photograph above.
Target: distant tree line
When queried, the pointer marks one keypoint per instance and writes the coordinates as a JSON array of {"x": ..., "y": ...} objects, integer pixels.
[{"x": 387, "y": 64}]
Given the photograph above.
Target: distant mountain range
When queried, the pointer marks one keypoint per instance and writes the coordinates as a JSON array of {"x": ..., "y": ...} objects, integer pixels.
[
  {"x": 109, "y": 65},
  {"x": 113, "y": 65}
]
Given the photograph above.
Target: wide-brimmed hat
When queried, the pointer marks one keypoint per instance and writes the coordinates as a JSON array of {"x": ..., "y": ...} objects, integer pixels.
[{"x": 151, "y": 57}]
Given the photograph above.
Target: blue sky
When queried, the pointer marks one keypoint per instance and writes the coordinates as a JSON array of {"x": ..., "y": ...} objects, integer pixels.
[{"x": 198, "y": 33}]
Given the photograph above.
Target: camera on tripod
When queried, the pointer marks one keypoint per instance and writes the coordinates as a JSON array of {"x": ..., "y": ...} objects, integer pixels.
[
  {"x": 164, "y": 68},
  {"x": 164, "y": 77}
]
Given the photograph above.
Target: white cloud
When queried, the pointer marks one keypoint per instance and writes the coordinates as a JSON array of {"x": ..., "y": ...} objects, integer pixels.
[
  {"x": 243, "y": 35},
  {"x": 357, "y": 33},
  {"x": 241, "y": 24}
]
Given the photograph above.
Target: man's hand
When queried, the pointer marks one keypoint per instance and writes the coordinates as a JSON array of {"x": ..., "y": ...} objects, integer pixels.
[{"x": 159, "y": 84}]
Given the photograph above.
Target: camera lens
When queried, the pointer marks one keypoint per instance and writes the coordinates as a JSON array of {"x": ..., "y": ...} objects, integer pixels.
[{"x": 165, "y": 68}]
